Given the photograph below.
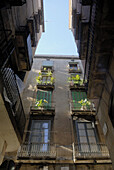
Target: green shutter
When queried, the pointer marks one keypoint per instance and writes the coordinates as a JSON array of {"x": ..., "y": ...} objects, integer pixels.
[
  {"x": 47, "y": 95},
  {"x": 76, "y": 97}
]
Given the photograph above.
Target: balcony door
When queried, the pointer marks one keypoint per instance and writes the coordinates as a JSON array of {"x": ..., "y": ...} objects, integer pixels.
[
  {"x": 40, "y": 135},
  {"x": 87, "y": 137}
]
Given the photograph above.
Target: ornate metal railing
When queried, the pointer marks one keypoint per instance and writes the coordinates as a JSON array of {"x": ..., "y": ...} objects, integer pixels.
[
  {"x": 63, "y": 152},
  {"x": 76, "y": 107},
  {"x": 37, "y": 150},
  {"x": 50, "y": 107},
  {"x": 93, "y": 150}
]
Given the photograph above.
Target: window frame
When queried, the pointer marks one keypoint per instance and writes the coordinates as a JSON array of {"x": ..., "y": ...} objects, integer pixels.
[
  {"x": 89, "y": 144},
  {"x": 45, "y": 145}
]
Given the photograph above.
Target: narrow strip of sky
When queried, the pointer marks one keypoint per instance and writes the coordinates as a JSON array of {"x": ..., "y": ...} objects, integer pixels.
[{"x": 57, "y": 38}]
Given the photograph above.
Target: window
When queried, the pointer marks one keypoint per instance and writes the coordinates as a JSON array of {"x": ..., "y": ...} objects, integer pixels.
[
  {"x": 47, "y": 65},
  {"x": 74, "y": 67},
  {"x": 77, "y": 96},
  {"x": 40, "y": 135},
  {"x": 86, "y": 136}
]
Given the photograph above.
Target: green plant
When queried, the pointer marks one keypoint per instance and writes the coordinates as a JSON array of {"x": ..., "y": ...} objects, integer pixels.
[
  {"x": 44, "y": 68},
  {"x": 40, "y": 74},
  {"x": 45, "y": 82},
  {"x": 40, "y": 103},
  {"x": 39, "y": 81},
  {"x": 39, "y": 78},
  {"x": 49, "y": 73},
  {"x": 77, "y": 77},
  {"x": 85, "y": 102},
  {"x": 48, "y": 78},
  {"x": 75, "y": 80},
  {"x": 52, "y": 80}
]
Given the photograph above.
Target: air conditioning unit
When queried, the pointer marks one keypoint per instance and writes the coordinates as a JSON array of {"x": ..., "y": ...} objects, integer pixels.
[
  {"x": 32, "y": 29},
  {"x": 16, "y": 2},
  {"x": 23, "y": 44}
]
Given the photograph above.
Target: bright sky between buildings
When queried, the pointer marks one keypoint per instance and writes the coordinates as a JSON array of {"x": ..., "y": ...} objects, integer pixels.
[{"x": 57, "y": 38}]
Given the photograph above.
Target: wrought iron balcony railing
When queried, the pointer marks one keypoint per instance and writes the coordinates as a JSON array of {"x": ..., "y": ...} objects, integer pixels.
[
  {"x": 48, "y": 108},
  {"x": 93, "y": 150},
  {"x": 77, "y": 85},
  {"x": 35, "y": 150},
  {"x": 76, "y": 107},
  {"x": 63, "y": 152},
  {"x": 46, "y": 82}
]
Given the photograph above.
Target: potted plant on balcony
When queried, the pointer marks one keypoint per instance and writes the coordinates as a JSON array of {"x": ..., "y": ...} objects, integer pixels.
[
  {"x": 45, "y": 80},
  {"x": 84, "y": 103},
  {"x": 49, "y": 73},
  {"x": 39, "y": 79},
  {"x": 40, "y": 103},
  {"x": 75, "y": 81},
  {"x": 52, "y": 80}
]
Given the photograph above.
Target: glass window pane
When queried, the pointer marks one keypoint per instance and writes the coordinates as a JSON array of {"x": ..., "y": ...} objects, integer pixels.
[
  {"x": 81, "y": 126},
  {"x": 89, "y": 125},
  {"x": 36, "y": 125},
  {"x": 35, "y": 132},
  {"x": 46, "y": 132},
  {"x": 90, "y": 132},
  {"x": 45, "y": 125},
  {"x": 83, "y": 139},
  {"x": 34, "y": 139},
  {"x": 46, "y": 139},
  {"x": 82, "y": 133},
  {"x": 92, "y": 140}
]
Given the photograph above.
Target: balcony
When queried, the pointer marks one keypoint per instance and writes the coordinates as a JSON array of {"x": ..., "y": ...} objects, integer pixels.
[
  {"x": 36, "y": 150},
  {"x": 45, "y": 80},
  {"x": 62, "y": 152},
  {"x": 23, "y": 42},
  {"x": 76, "y": 82},
  {"x": 91, "y": 151},
  {"x": 77, "y": 109},
  {"x": 80, "y": 105},
  {"x": 43, "y": 103}
]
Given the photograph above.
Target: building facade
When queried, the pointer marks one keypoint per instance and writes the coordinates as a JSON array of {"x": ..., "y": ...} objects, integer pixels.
[
  {"x": 52, "y": 117},
  {"x": 62, "y": 130},
  {"x": 21, "y": 25},
  {"x": 99, "y": 59}
]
